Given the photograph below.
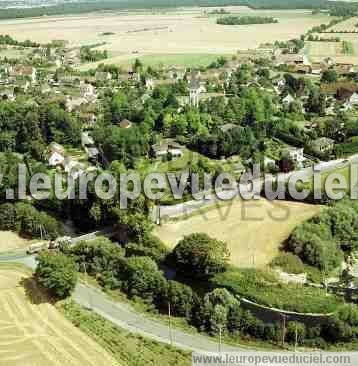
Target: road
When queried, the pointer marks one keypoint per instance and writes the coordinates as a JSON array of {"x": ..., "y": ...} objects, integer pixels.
[
  {"x": 126, "y": 318},
  {"x": 190, "y": 207}
]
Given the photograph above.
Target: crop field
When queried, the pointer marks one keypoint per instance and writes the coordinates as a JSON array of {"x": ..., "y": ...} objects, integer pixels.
[
  {"x": 193, "y": 31},
  {"x": 253, "y": 230},
  {"x": 348, "y": 25},
  {"x": 34, "y": 333},
  {"x": 11, "y": 241}
]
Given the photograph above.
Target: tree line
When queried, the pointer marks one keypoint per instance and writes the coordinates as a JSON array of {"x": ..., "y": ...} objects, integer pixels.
[{"x": 245, "y": 20}]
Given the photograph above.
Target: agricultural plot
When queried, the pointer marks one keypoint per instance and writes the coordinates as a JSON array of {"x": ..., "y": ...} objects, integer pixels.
[
  {"x": 10, "y": 241},
  {"x": 349, "y": 25},
  {"x": 193, "y": 32},
  {"x": 253, "y": 230},
  {"x": 33, "y": 332}
]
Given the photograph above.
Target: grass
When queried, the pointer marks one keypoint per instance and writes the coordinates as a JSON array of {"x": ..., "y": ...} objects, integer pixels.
[
  {"x": 253, "y": 230},
  {"x": 184, "y": 59},
  {"x": 127, "y": 348},
  {"x": 262, "y": 287},
  {"x": 348, "y": 48}
]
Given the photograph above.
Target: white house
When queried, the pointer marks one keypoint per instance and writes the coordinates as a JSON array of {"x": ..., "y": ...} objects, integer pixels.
[
  {"x": 351, "y": 101},
  {"x": 87, "y": 90},
  {"x": 288, "y": 99},
  {"x": 56, "y": 154},
  {"x": 295, "y": 154}
]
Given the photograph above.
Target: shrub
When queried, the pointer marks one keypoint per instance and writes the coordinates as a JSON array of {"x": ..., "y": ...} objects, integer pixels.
[
  {"x": 57, "y": 273},
  {"x": 289, "y": 263},
  {"x": 200, "y": 256}
]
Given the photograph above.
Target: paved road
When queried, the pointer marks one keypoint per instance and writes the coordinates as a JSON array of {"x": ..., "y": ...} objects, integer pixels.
[
  {"x": 195, "y": 205},
  {"x": 122, "y": 315}
]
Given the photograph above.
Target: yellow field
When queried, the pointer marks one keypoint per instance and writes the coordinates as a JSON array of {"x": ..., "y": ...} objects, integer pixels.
[
  {"x": 11, "y": 241},
  {"x": 34, "y": 333},
  {"x": 183, "y": 31},
  {"x": 252, "y": 229},
  {"x": 347, "y": 25}
]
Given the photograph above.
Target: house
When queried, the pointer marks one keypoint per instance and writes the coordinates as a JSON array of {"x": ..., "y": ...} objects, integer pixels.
[
  {"x": 86, "y": 139},
  {"x": 316, "y": 68},
  {"x": 89, "y": 118},
  {"x": 176, "y": 73},
  {"x": 87, "y": 90},
  {"x": 290, "y": 59},
  {"x": 23, "y": 71},
  {"x": 322, "y": 145},
  {"x": 295, "y": 154},
  {"x": 288, "y": 100},
  {"x": 351, "y": 101},
  {"x": 125, "y": 124},
  {"x": 343, "y": 69},
  {"x": 7, "y": 94},
  {"x": 56, "y": 155},
  {"x": 73, "y": 168},
  {"x": 228, "y": 127},
  {"x": 103, "y": 76},
  {"x": 149, "y": 83},
  {"x": 75, "y": 103},
  {"x": 301, "y": 69},
  {"x": 167, "y": 148}
]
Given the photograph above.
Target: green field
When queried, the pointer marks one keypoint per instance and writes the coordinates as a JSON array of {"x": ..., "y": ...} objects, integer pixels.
[
  {"x": 348, "y": 48},
  {"x": 127, "y": 348},
  {"x": 156, "y": 60}
]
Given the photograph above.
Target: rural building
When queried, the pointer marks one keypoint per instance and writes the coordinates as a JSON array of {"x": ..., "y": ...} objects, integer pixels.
[
  {"x": 288, "y": 100},
  {"x": 228, "y": 127},
  {"x": 125, "y": 124},
  {"x": 295, "y": 154},
  {"x": 166, "y": 148},
  {"x": 103, "y": 76},
  {"x": 322, "y": 145},
  {"x": 87, "y": 90},
  {"x": 23, "y": 71},
  {"x": 56, "y": 155}
]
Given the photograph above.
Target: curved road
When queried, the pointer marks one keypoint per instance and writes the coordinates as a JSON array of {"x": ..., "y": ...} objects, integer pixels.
[{"x": 125, "y": 317}]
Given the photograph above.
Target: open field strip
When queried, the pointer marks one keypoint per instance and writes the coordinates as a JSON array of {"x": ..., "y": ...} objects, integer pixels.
[
  {"x": 253, "y": 230},
  {"x": 156, "y": 33},
  {"x": 10, "y": 241},
  {"x": 33, "y": 332}
]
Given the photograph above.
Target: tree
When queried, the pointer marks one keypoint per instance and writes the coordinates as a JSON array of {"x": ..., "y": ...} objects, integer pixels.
[
  {"x": 329, "y": 76},
  {"x": 143, "y": 278},
  {"x": 200, "y": 256},
  {"x": 57, "y": 272},
  {"x": 181, "y": 299}
]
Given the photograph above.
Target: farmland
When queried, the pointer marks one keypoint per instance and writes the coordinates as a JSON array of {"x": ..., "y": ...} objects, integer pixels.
[
  {"x": 253, "y": 230},
  {"x": 190, "y": 32},
  {"x": 11, "y": 241},
  {"x": 33, "y": 332},
  {"x": 345, "y": 51}
]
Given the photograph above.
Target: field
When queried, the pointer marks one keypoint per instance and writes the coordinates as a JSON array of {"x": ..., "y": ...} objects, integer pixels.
[
  {"x": 184, "y": 31},
  {"x": 345, "y": 51},
  {"x": 129, "y": 349},
  {"x": 34, "y": 333},
  {"x": 252, "y": 229},
  {"x": 10, "y": 241}
]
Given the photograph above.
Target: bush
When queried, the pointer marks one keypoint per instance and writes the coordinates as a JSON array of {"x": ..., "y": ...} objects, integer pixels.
[
  {"x": 181, "y": 299},
  {"x": 143, "y": 278},
  {"x": 289, "y": 263},
  {"x": 200, "y": 256},
  {"x": 263, "y": 288},
  {"x": 27, "y": 220},
  {"x": 57, "y": 273}
]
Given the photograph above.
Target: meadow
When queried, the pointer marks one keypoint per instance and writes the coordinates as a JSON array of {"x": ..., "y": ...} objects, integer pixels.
[{"x": 253, "y": 230}]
